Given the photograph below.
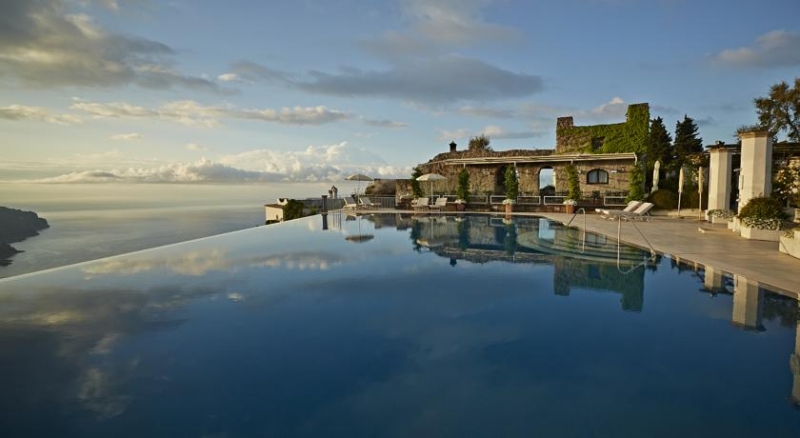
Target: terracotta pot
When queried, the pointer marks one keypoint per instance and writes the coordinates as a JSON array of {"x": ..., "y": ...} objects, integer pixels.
[
  {"x": 509, "y": 208},
  {"x": 461, "y": 207},
  {"x": 569, "y": 209}
]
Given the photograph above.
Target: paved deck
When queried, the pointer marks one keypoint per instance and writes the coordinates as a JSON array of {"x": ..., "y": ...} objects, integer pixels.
[{"x": 710, "y": 245}]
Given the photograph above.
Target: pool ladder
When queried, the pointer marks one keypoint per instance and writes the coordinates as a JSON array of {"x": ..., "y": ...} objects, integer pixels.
[{"x": 619, "y": 238}]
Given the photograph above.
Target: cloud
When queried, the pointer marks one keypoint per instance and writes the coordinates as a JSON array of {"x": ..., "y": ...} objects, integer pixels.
[
  {"x": 43, "y": 45},
  {"x": 491, "y": 131},
  {"x": 385, "y": 123},
  {"x": 455, "y": 22},
  {"x": 229, "y": 77},
  {"x": 423, "y": 66},
  {"x": 203, "y": 170},
  {"x": 614, "y": 108},
  {"x": 779, "y": 48},
  {"x": 22, "y": 112},
  {"x": 197, "y": 147},
  {"x": 438, "y": 80},
  {"x": 190, "y": 112},
  {"x": 126, "y": 137},
  {"x": 313, "y": 164},
  {"x": 486, "y": 112}
]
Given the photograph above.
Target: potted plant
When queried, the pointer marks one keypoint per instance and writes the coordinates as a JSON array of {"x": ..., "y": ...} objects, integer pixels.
[
  {"x": 463, "y": 190},
  {"x": 512, "y": 189},
  {"x": 719, "y": 216},
  {"x": 569, "y": 206},
  {"x": 762, "y": 219},
  {"x": 573, "y": 189}
]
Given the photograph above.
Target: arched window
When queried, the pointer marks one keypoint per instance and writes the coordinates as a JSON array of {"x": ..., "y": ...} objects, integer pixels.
[{"x": 597, "y": 176}]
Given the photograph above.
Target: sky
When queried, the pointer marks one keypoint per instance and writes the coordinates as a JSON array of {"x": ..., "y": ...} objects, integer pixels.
[{"x": 180, "y": 91}]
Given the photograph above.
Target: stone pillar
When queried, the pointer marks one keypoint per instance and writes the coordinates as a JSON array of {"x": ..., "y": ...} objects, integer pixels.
[
  {"x": 748, "y": 303},
  {"x": 755, "y": 177},
  {"x": 719, "y": 178},
  {"x": 713, "y": 279},
  {"x": 794, "y": 365}
]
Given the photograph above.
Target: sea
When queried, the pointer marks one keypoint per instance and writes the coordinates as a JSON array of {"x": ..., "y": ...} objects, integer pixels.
[{"x": 93, "y": 221}]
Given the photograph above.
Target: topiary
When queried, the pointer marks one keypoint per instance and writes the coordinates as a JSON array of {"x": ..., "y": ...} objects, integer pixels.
[
  {"x": 764, "y": 213},
  {"x": 663, "y": 199},
  {"x": 463, "y": 184}
]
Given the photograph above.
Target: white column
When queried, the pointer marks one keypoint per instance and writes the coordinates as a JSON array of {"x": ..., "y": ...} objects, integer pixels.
[
  {"x": 713, "y": 279},
  {"x": 748, "y": 303},
  {"x": 719, "y": 178},
  {"x": 756, "y": 170},
  {"x": 794, "y": 365}
]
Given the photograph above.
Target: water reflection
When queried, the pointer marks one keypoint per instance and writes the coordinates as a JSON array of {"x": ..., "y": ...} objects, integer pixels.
[
  {"x": 580, "y": 260},
  {"x": 480, "y": 326}
]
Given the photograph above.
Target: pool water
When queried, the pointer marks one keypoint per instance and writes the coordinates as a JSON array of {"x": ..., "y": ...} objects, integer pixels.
[{"x": 393, "y": 325}]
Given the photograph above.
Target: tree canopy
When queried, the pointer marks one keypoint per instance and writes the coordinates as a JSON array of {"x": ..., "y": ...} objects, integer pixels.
[
  {"x": 686, "y": 141},
  {"x": 780, "y": 111},
  {"x": 480, "y": 142}
]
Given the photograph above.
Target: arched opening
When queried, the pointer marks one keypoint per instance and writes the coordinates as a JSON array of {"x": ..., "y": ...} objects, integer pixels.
[{"x": 547, "y": 181}]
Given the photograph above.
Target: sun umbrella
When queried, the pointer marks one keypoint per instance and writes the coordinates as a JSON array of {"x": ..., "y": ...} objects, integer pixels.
[
  {"x": 700, "y": 188},
  {"x": 358, "y": 177},
  {"x": 680, "y": 190},
  {"x": 656, "y": 168},
  {"x": 431, "y": 177},
  {"x": 359, "y": 237}
]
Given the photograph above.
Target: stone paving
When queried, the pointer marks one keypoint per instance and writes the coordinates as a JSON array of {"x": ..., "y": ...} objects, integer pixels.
[{"x": 691, "y": 239}]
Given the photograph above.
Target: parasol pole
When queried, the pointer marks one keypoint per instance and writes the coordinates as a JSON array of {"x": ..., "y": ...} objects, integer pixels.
[{"x": 680, "y": 190}]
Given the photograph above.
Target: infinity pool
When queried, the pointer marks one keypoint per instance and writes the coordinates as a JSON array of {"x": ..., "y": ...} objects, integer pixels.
[{"x": 391, "y": 325}]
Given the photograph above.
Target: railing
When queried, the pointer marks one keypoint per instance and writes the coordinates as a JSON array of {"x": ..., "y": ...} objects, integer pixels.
[
  {"x": 496, "y": 199},
  {"x": 614, "y": 201},
  {"x": 477, "y": 199},
  {"x": 529, "y": 200},
  {"x": 555, "y": 200}
]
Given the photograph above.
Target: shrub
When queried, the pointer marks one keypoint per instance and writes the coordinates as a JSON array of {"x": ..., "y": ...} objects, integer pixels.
[
  {"x": 512, "y": 185},
  {"x": 463, "y": 185},
  {"x": 664, "y": 199},
  {"x": 573, "y": 183},
  {"x": 724, "y": 214},
  {"x": 636, "y": 192},
  {"x": 764, "y": 213}
]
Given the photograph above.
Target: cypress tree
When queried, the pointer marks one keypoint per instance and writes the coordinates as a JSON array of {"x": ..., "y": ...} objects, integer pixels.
[
  {"x": 659, "y": 148},
  {"x": 686, "y": 141}
]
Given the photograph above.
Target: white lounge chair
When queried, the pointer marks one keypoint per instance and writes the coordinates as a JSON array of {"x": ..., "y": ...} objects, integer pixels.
[
  {"x": 633, "y": 205},
  {"x": 641, "y": 213},
  {"x": 439, "y": 204},
  {"x": 349, "y": 202},
  {"x": 366, "y": 202},
  {"x": 419, "y": 203}
]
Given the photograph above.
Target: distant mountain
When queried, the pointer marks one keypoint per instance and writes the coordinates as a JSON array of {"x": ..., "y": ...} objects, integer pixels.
[{"x": 16, "y": 226}]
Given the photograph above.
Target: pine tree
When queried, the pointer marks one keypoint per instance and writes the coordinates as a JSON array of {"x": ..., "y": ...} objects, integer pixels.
[
  {"x": 686, "y": 141},
  {"x": 659, "y": 147}
]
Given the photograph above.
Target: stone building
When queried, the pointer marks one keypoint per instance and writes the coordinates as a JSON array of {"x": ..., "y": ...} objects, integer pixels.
[{"x": 602, "y": 154}]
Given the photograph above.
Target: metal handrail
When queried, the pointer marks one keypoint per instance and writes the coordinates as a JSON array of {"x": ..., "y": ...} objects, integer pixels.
[
  {"x": 619, "y": 240},
  {"x": 619, "y": 234}
]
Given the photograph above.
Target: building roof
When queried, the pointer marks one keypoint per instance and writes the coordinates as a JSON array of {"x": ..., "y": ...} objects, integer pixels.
[{"x": 564, "y": 158}]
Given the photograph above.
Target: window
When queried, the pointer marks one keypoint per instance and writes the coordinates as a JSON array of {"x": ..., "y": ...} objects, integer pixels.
[{"x": 597, "y": 176}]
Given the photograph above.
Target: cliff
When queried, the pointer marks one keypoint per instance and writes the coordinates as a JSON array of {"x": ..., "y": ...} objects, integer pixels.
[{"x": 15, "y": 226}]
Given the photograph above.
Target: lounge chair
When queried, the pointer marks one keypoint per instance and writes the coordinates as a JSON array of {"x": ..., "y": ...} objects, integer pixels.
[
  {"x": 641, "y": 213},
  {"x": 419, "y": 203},
  {"x": 349, "y": 202},
  {"x": 633, "y": 205},
  {"x": 439, "y": 204},
  {"x": 366, "y": 202}
]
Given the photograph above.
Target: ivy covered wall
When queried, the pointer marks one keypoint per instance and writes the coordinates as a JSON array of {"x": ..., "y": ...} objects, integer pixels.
[{"x": 629, "y": 136}]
